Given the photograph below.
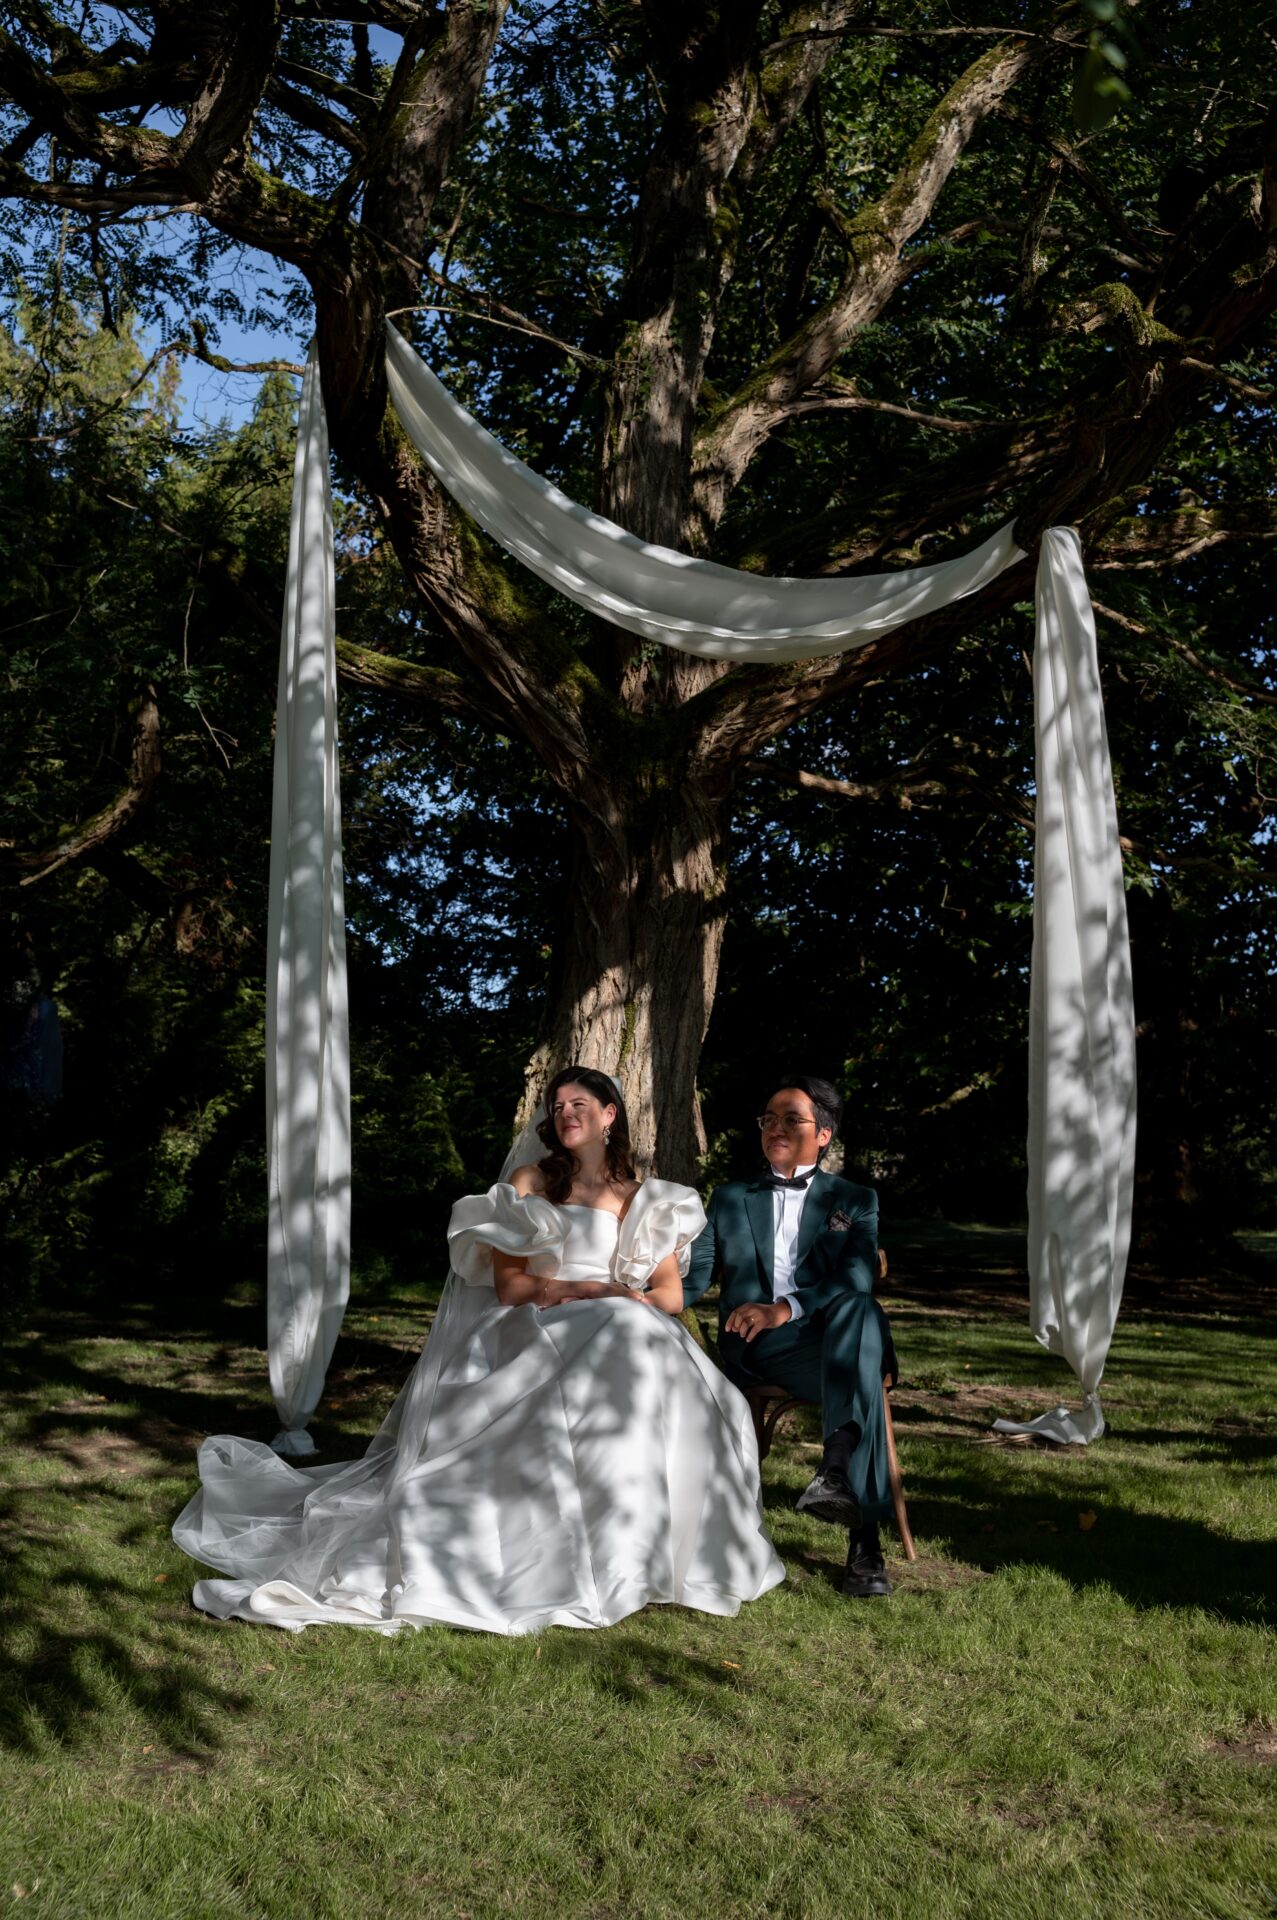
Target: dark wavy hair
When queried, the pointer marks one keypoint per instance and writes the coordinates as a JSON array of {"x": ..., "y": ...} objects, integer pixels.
[
  {"x": 824, "y": 1096},
  {"x": 560, "y": 1166}
]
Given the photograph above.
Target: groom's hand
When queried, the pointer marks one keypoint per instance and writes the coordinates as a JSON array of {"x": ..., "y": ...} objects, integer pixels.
[{"x": 757, "y": 1318}]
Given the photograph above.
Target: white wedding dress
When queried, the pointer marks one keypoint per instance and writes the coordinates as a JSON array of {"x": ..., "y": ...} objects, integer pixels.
[{"x": 542, "y": 1467}]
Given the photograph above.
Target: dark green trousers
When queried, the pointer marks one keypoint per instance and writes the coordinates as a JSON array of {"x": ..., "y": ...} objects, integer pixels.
[{"x": 838, "y": 1357}]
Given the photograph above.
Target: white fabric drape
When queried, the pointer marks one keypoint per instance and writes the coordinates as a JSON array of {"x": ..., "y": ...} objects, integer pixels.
[
  {"x": 307, "y": 1044},
  {"x": 1081, "y": 1018},
  {"x": 695, "y": 606},
  {"x": 1081, "y": 1130}
]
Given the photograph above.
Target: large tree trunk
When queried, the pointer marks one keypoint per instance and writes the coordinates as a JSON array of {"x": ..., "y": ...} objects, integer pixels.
[{"x": 638, "y": 960}]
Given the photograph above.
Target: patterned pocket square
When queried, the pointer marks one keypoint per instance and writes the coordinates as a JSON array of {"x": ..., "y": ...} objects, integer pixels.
[{"x": 839, "y": 1222}]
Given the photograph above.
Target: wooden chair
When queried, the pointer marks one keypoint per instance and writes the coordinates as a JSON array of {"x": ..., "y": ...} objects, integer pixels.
[{"x": 769, "y": 1405}]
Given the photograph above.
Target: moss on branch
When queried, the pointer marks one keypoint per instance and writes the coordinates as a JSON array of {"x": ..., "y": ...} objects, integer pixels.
[{"x": 1115, "y": 307}]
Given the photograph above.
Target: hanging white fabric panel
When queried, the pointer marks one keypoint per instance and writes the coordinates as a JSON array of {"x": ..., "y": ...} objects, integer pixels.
[
  {"x": 307, "y": 1041},
  {"x": 695, "y": 606},
  {"x": 1081, "y": 1008}
]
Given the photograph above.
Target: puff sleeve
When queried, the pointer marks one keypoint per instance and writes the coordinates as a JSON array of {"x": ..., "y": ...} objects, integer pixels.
[
  {"x": 663, "y": 1218},
  {"x": 500, "y": 1218}
]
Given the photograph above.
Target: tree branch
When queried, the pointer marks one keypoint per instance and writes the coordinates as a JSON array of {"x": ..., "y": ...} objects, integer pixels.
[
  {"x": 750, "y": 705},
  {"x": 355, "y": 102},
  {"x": 499, "y": 314},
  {"x": 79, "y": 196},
  {"x": 207, "y": 162},
  {"x": 400, "y": 16},
  {"x": 113, "y": 818},
  {"x": 199, "y": 351},
  {"x": 420, "y": 685},
  {"x": 1096, "y": 450},
  {"x": 681, "y": 258},
  {"x": 852, "y": 402},
  {"x": 1067, "y": 156},
  {"x": 536, "y": 685},
  {"x": 1201, "y": 863},
  {"x": 1148, "y": 542},
  {"x": 875, "y": 239},
  {"x": 890, "y": 519},
  {"x": 423, "y": 121},
  {"x": 220, "y": 116},
  {"x": 1009, "y": 804},
  {"x": 903, "y": 786},
  {"x": 1181, "y": 647},
  {"x": 319, "y": 119},
  {"x": 105, "y": 86},
  {"x": 879, "y": 30},
  {"x": 788, "y": 70},
  {"x": 121, "y": 149}
]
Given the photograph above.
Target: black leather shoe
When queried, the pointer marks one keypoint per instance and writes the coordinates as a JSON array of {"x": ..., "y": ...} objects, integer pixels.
[
  {"x": 866, "y": 1575},
  {"x": 830, "y": 1498}
]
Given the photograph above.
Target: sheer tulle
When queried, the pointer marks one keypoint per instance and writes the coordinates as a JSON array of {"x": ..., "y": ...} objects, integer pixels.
[{"x": 561, "y": 1467}]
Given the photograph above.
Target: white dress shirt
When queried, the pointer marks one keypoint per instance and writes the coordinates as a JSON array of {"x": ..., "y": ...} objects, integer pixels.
[{"x": 787, "y": 1213}]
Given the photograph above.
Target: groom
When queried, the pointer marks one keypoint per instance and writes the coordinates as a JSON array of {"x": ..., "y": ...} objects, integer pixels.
[{"x": 796, "y": 1253}]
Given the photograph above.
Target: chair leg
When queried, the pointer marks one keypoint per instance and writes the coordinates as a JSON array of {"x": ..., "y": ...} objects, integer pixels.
[{"x": 897, "y": 1483}]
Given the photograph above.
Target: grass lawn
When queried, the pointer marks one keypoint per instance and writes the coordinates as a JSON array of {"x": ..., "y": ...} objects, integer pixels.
[{"x": 1069, "y": 1709}]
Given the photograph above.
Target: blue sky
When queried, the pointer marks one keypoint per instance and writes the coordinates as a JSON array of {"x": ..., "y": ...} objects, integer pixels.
[{"x": 207, "y": 396}]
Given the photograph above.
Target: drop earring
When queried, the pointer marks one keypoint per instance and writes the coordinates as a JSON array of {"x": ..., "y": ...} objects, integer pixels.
[{"x": 607, "y": 1135}]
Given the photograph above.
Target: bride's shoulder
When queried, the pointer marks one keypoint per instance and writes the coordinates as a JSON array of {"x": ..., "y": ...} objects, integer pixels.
[{"x": 526, "y": 1181}]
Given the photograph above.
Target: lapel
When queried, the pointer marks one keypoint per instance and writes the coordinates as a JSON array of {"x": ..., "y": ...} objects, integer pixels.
[
  {"x": 758, "y": 1206},
  {"x": 814, "y": 1213}
]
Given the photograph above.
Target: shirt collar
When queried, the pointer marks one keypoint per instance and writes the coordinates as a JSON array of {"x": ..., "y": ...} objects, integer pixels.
[{"x": 798, "y": 1172}]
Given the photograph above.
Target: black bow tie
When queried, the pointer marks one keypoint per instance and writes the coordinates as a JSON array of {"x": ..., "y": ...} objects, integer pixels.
[{"x": 770, "y": 1179}]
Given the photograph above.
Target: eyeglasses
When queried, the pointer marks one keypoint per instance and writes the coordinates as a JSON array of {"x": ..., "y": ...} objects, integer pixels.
[{"x": 786, "y": 1122}]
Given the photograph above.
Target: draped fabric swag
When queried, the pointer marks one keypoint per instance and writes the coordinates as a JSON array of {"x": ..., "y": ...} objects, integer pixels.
[{"x": 1082, "y": 1047}]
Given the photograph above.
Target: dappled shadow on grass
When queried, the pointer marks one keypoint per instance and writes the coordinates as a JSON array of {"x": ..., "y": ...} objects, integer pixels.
[
  {"x": 1011, "y": 1357},
  {"x": 1000, "y": 1503},
  {"x": 1221, "y": 1444},
  {"x": 167, "y": 1417},
  {"x": 237, "y": 1317},
  {"x": 79, "y": 1637},
  {"x": 631, "y": 1669},
  {"x": 1151, "y": 1560},
  {"x": 964, "y": 1415},
  {"x": 167, "y": 1411},
  {"x": 75, "y": 1644}
]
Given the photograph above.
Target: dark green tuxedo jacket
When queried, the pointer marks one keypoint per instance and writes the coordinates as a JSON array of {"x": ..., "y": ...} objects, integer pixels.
[{"x": 837, "y": 1244}]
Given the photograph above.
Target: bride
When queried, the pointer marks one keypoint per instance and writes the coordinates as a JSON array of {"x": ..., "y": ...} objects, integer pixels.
[{"x": 563, "y": 1452}]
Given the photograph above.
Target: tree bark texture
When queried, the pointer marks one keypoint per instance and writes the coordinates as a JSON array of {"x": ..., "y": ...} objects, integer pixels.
[
  {"x": 638, "y": 961},
  {"x": 644, "y": 746}
]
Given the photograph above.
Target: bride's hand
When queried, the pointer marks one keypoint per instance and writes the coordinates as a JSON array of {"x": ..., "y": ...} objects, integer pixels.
[
  {"x": 552, "y": 1293},
  {"x": 555, "y": 1293}
]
